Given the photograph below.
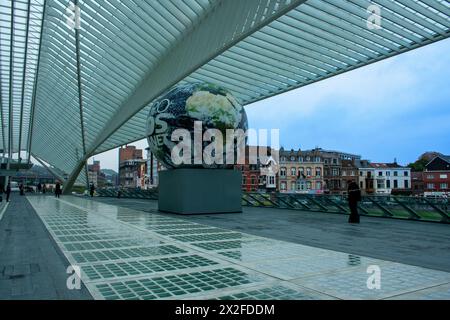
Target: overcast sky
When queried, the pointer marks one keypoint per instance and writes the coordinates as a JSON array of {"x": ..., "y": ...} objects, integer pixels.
[{"x": 396, "y": 108}]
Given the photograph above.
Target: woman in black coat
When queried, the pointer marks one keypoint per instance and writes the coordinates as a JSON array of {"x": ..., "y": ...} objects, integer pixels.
[
  {"x": 57, "y": 190},
  {"x": 354, "y": 196}
]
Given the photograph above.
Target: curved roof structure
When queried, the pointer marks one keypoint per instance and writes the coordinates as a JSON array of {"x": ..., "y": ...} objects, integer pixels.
[{"x": 70, "y": 91}]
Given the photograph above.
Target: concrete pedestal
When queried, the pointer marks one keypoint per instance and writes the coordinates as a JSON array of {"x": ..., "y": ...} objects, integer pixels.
[{"x": 200, "y": 191}]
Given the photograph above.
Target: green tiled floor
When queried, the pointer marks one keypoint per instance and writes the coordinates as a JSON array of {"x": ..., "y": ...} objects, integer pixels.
[
  {"x": 133, "y": 268},
  {"x": 126, "y": 253},
  {"x": 129, "y": 254},
  {"x": 177, "y": 285}
]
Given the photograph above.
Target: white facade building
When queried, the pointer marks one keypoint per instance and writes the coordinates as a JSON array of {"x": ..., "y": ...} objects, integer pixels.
[{"x": 382, "y": 178}]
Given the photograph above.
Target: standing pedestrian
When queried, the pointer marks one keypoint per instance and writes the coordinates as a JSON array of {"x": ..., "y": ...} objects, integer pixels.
[
  {"x": 2, "y": 191},
  {"x": 8, "y": 191},
  {"x": 92, "y": 190},
  {"x": 44, "y": 189},
  {"x": 57, "y": 189},
  {"x": 354, "y": 196},
  {"x": 21, "y": 189},
  {"x": 39, "y": 187}
]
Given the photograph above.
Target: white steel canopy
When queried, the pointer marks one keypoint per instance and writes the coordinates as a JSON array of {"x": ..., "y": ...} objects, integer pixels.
[{"x": 83, "y": 91}]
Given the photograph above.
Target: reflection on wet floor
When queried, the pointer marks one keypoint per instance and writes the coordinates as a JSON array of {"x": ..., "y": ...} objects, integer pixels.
[{"x": 130, "y": 254}]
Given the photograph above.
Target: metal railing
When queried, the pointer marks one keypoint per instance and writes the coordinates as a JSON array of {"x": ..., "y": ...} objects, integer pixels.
[
  {"x": 150, "y": 194},
  {"x": 387, "y": 206},
  {"x": 398, "y": 207}
]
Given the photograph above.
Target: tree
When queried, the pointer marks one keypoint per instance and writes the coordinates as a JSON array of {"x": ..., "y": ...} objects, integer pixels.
[{"x": 420, "y": 163}]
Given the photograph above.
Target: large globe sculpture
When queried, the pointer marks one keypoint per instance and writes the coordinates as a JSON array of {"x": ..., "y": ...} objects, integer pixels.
[{"x": 181, "y": 107}]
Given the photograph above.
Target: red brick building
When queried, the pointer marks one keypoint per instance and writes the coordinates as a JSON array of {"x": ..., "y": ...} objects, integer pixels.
[
  {"x": 436, "y": 177},
  {"x": 250, "y": 172},
  {"x": 131, "y": 167},
  {"x": 417, "y": 183},
  {"x": 129, "y": 153}
]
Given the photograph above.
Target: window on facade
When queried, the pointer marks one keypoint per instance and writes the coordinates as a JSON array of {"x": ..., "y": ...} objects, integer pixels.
[
  {"x": 388, "y": 184},
  {"x": 272, "y": 180},
  {"x": 283, "y": 172},
  {"x": 300, "y": 159},
  {"x": 301, "y": 171},
  {"x": 443, "y": 176},
  {"x": 395, "y": 184},
  {"x": 308, "y": 159},
  {"x": 380, "y": 173},
  {"x": 244, "y": 179},
  {"x": 406, "y": 184},
  {"x": 335, "y": 172},
  {"x": 361, "y": 173},
  {"x": 406, "y": 173},
  {"x": 318, "y": 185},
  {"x": 293, "y": 171},
  {"x": 308, "y": 185},
  {"x": 253, "y": 179},
  {"x": 430, "y": 176},
  {"x": 308, "y": 172},
  {"x": 388, "y": 173},
  {"x": 318, "y": 172},
  {"x": 283, "y": 186},
  {"x": 334, "y": 161},
  {"x": 430, "y": 186},
  {"x": 395, "y": 173},
  {"x": 444, "y": 186},
  {"x": 292, "y": 158},
  {"x": 293, "y": 186}
]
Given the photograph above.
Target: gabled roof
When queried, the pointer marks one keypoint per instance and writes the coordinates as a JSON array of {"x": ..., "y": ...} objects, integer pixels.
[{"x": 382, "y": 165}]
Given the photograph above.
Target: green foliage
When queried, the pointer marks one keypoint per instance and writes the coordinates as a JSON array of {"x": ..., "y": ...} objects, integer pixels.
[{"x": 419, "y": 165}]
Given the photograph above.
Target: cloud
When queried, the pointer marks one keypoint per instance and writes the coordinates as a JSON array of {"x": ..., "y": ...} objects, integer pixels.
[{"x": 394, "y": 108}]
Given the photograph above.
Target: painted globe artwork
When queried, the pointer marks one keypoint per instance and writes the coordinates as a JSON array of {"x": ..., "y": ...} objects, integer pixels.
[{"x": 180, "y": 108}]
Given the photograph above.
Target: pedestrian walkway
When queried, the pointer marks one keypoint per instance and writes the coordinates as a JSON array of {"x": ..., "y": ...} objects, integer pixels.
[
  {"x": 130, "y": 254},
  {"x": 31, "y": 264}
]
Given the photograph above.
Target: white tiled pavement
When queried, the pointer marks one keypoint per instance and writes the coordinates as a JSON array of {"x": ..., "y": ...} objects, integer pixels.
[{"x": 129, "y": 254}]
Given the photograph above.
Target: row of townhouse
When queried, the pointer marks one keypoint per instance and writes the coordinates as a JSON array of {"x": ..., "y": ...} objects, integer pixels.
[{"x": 319, "y": 171}]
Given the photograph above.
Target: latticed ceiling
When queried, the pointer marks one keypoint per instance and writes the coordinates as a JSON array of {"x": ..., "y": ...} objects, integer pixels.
[{"x": 69, "y": 93}]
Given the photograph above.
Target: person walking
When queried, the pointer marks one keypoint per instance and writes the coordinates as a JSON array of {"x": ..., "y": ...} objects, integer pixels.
[
  {"x": 92, "y": 190},
  {"x": 44, "y": 189},
  {"x": 354, "y": 196},
  {"x": 8, "y": 191},
  {"x": 119, "y": 192},
  {"x": 2, "y": 191},
  {"x": 21, "y": 189},
  {"x": 57, "y": 189},
  {"x": 39, "y": 187}
]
